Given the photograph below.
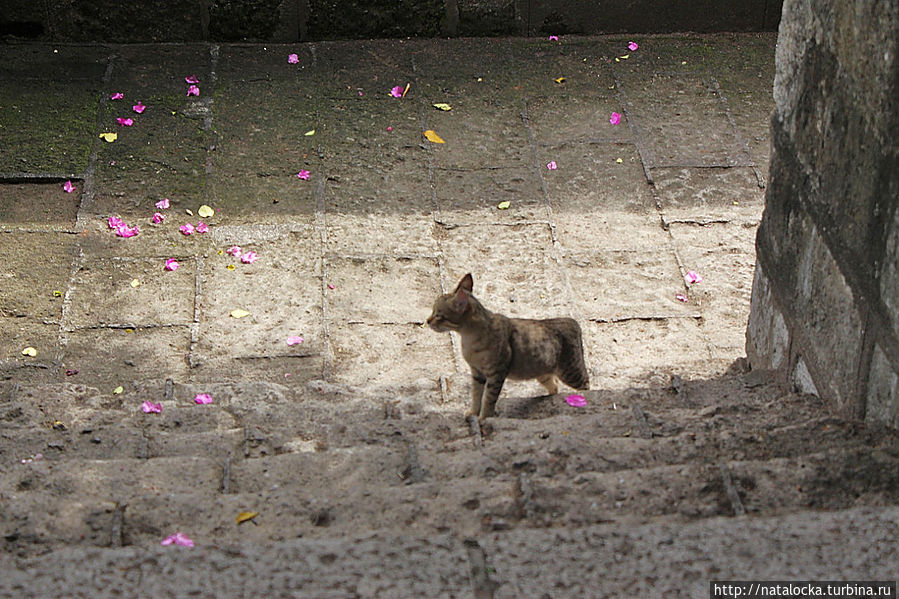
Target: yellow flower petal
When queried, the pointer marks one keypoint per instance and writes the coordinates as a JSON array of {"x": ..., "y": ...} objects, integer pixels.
[
  {"x": 135, "y": 283},
  {"x": 118, "y": 390},
  {"x": 29, "y": 351},
  {"x": 559, "y": 80},
  {"x": 433, "y": 137},
  {"x": 309, "y": 133},
  {"x": 238, "y": 313},
  {"x": 619, "y": 160},
  {"x": 230, "y": 267},
  {"x": 443, "y": 106},
  {"x": 109, "y": 137},
  {"x": 246, "y": 517},
  {"x": 205, "y": 211},
  {"x": 504, "y": 205}
]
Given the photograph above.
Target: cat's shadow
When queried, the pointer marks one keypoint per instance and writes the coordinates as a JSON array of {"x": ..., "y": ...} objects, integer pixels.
[{"x": 525, "y": 408}]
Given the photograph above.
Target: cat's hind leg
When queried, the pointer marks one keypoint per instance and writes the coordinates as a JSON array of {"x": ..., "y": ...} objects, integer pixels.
[
  {"x": 549, "y": 382},
  {"x": 491, "y": 393}
]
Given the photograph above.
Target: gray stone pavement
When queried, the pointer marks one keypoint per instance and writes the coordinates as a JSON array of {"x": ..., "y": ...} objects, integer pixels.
[{"x": 351, "y": 444}]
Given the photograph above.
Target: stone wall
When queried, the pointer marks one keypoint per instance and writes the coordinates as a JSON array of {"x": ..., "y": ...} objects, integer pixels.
[
  {"x": 825, "y": 303},
  {"x": 304, "y": 20}
]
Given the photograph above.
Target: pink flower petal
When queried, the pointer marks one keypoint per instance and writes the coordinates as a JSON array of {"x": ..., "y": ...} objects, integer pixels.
[
  {"x": 163, "y": 204},
  {"x": 293, "y": 59},
  {"x": 116, "y": 96},
  {"x": 202, "y": 227},
  {"x": 193, "y": 90},
  {"x": 294, "y": 340},
  {"x": 114, "y": 222},
  {"x": 234, "y": 250},
  {"x": 632, "y": 46},
  {"x": 191, "y": 79},
  {"x": 125, "y": 122},
  {"x": 330, "y": 286},
  {"x": 139, "y": 107},
  {"x": 681, "y": 297},
  {"x": 179, "y": 538},
  {"x": 68, "y": 187},
  {"x": 151, "y": 408},
  {"x": 202, "y": 398},
  {"x": 187, "y": 228},
  {"x": 578, "y": 401},
  {"x": 303, "y": 174},
  {"x": 692, "y": 277},
  {"x": 158, "y": 218},
  {"x": 389, "y": 128},
  {"x": 397, "y": 92},
  {"x": 124, "y": 230},
  {"x": 552, "y": 165},
  {"x": 554, "y": 38},
  {"x": 171, "y": 264},
  {"x": 249, "y": 257},
  {"x": 615, "y": 118}
]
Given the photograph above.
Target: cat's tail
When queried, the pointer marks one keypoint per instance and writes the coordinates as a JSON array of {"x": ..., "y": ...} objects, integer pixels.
[{"x": 573, "y": 371}]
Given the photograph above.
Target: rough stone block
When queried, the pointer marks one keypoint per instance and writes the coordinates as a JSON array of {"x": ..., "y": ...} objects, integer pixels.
[
  {"x": 767, "y": 335},
  {"x": 471, "y": 196}
]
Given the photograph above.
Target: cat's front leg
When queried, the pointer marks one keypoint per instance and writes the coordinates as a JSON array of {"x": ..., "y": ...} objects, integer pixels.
[
  {"x": 477, "y": 392},
  {"x": 491, "y": 393}
]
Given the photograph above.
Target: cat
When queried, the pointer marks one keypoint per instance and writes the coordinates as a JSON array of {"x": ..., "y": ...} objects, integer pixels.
[{"x": 497, "y": 347}]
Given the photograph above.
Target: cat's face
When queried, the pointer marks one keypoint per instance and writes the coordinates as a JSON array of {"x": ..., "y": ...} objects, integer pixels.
[{"x": 446, "y": 315}]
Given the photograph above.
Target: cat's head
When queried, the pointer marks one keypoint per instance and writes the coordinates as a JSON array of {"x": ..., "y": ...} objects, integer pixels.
[{"x": 450, "y": 309}]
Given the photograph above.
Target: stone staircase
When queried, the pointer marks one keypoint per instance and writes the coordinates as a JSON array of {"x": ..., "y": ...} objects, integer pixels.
[{"x": 322, "y": 464}]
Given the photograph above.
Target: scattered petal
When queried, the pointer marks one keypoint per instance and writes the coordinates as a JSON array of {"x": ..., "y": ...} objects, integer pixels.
[
  {"x": 692, "y": 277},
  {"x": 193, "y": 90},
  {"x": 116, "y": 96},
  {"x": 149, "y": 407},
  {"x": 230, "y": 267},
  {"x": 125, "y": 122},
  {"x": 163, "y": 204},
  {"x": 187, "y": 229},
  {"x": 504, "y": 205},
  {"x": 681, "y": 297},
  {"x": 68, "y": 187},
  {"x": 188, "y": 211},
  {"x": 238, "y": 313},
  {"x": 205, "y": 211},
  {"x": 158, "y": 218},
  {"x": 551, "y": 165},
  {"x": 202, "y": 398},
  {"x": 294, "y": 340},
  {"x": 234, "y": 250},
  {"x": 114, "y": 221},
  {"x": 139, "y": 107},
  {"x": 246, "y": 517},
  {"x": 171, "y": 264},
  {"x": 303, "y": 174},
  {"x": 396, "y": 92},
  {"x": 330, "y": 286},
  {"x": 389, "y": 128},
  {"x": 625, "y": 57},
  {"x": 293, "y": 58},
  {"x": 57, "y": 293},
  {"x": 443, "y": 106},
  {"x": 29, "y": 351},
  {"x": 249, "y": 257},
  {"x": 123, "y": 230},
  {"x": 202, "y": 227},
  {"x": 309, "y": 133},
  {"x": 619, "y": 160},
  {"x": 632, "y": 46},
  {"x": 179, "y": 538},
  {"x": 109, "y": 137},
  {"x": 615, "y": 118},
  {"x": 554, "y": 38},
  {"x": 118, "y": 390},
  {"x": 135, "y": 283},
  {"x": 71, "y": 371},
  {"x": 559, "y": 80},
  {"x": 432, "y": 137},
  {"x": 191, "y": 79},
  {"x": 578, "y": 401}
]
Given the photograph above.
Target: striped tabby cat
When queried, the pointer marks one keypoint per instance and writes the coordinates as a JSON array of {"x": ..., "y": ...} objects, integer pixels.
[{"x": 497, "y": 347}]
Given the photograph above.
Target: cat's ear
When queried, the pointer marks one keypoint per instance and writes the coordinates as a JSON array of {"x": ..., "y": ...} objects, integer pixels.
[{"x": 466, "y": 284}]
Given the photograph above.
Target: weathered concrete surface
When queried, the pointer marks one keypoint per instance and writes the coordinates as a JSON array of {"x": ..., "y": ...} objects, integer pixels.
[
  {"x": 827, "y": 244},
  {"x": 304, "y": 20},
  {"x": 351, "y": 445}
]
